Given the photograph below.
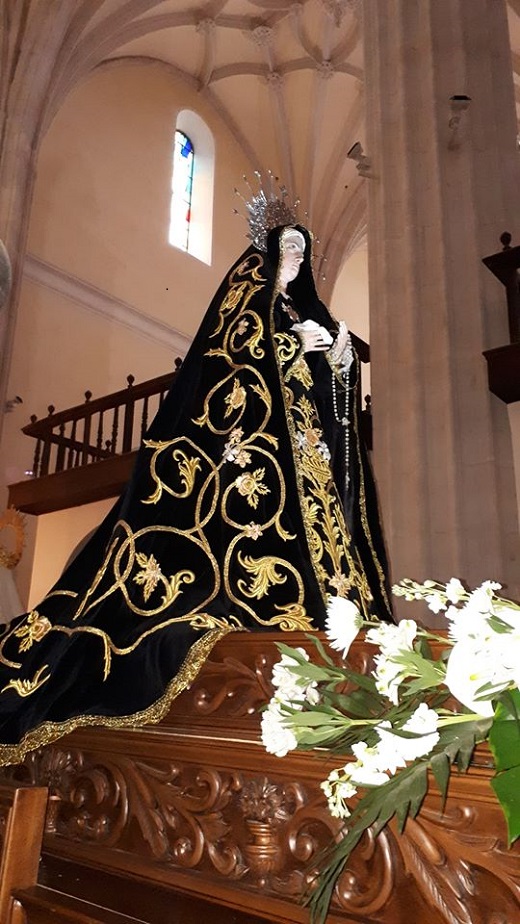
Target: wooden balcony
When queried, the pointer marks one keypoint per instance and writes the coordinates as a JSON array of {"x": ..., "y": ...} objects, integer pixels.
[{"x": 86, "y": 453}]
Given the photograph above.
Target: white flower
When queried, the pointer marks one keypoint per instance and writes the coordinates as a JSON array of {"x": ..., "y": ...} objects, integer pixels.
[
  {"x": 455, "y": 592},
  {"x": 276, "y": 737},
  {"x": 337, "y": 789},
  {"x": 510, "y": 644},
  {"x": 289, "y": 686},
  {"x": 435, "y": 602},
  {"x": 394, "y": 751},
  {"x": 469, "y": 668},
  {"x": 365, "y": 771},
  {"x": 342, "y": 624},
  {"x": 423, "y": 723},
  {"x": 392, "y": 639},
  {"x": 481, "y": 599},
  {"x": 388, "y": 675},
  {"x": 469, "y": 625},
  {"x": 312, "y": 694}
]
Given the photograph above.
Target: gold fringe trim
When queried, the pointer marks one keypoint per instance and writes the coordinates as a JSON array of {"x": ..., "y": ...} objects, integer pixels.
[{"x": 50, "y": 731}]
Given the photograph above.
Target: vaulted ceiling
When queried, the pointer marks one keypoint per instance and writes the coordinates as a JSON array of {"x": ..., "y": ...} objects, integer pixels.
[{"x": 286, "y": 76}]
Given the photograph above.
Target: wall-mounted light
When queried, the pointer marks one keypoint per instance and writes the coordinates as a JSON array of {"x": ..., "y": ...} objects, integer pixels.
[
  {"x": 362, "y": 161},
  {"x": 12, "y": 403},
  {"x": 459, "y": 105}
]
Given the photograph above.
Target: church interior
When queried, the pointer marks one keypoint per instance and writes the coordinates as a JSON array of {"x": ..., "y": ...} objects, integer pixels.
[{"x": 393, "y": 128}]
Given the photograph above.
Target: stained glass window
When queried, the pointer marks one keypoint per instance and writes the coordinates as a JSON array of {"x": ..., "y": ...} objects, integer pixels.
[{"x": 182, "y": 190}]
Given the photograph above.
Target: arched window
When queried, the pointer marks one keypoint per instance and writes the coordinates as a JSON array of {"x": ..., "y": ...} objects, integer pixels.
[
  {"x": 182, "y": 191},
  {"x": 191, "y": 215}
]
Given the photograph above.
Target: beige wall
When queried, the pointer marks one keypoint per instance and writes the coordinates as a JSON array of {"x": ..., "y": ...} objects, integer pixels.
[
  {"x": 350, "y": 295},
  {"x": 52, "y": 539},
  {"x": 101, "y": 214},
  {"x": 101, "y": 204}
]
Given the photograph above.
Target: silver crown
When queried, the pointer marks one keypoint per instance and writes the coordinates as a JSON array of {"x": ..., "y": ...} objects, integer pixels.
[{"x": 266, "y": 209}]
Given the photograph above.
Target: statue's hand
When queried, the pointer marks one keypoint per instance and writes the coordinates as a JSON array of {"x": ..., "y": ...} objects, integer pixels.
[
  {"x": 340, "y": 352},
  {"x": 312, "y": 336}
]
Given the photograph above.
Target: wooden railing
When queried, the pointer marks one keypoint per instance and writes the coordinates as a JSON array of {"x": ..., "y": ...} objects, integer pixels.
[
  {"x": 98, "y": 429},
  {"x": 87, "y": 452}
]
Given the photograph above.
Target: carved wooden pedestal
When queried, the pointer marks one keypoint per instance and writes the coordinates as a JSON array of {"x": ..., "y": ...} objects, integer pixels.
[{"x": 194, "y": 811}]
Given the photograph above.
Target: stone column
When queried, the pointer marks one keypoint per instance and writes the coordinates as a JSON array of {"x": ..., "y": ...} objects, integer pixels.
[
  {"x": 32, "y": 34},
  {"x": 445, "y": 183}
]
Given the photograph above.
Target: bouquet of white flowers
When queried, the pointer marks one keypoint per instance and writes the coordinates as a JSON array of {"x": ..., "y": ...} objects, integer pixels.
[{"x": 400, "y": 722}]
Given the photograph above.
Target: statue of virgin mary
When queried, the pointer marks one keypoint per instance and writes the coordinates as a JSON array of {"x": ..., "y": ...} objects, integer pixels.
[{"x": 250, "y": 505}]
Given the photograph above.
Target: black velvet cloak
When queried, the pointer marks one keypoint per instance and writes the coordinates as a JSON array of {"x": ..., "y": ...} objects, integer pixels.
[{"x": 234, "y": 519}]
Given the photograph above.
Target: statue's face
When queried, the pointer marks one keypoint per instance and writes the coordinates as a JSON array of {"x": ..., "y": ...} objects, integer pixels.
[{"x": 293, "y": 249}]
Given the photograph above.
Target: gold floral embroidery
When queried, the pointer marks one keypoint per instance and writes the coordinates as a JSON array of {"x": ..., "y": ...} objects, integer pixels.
[
  {"x": 251, "y": 343},
  {"x": 253, "y": 531},
  {"x": 233, "y": 451},
  {"x": 231, "y": 301},
  {"x": 26, "y": 687},
  {"x": 236, "y": 399},
  {"x": 250, "y": 486},
  {"x": 32, "y": 630},
  {"x": 341, "y": 584}
]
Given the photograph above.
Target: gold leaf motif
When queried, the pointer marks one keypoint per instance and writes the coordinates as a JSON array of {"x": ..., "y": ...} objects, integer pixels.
[
  {"x": 32, "y": 630},
  {"x": 26, "y": 687},
  {"x": 187, "y": 469},
  {"x": 205, "y": 621},
  {"x": 250, "y": 486},
  {"x": 174, "y": 586},
  {"x": 265, "y": 575},
  {"x": 300, "y": 371},
  {"x": 286, "y": 347},
  {"x": 150, "y": 576},
  {"x": 293, "y": 618},
  {"x": 263, "y": 394}
]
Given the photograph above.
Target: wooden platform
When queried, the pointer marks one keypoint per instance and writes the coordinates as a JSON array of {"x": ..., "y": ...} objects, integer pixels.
[{"x": 192, "y": 821}]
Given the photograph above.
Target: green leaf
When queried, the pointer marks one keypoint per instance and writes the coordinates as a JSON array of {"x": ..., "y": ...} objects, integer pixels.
[
  {"x": 430, "y": 674},
  {"x": 504, "y": 742},
  {"x": 321, "y": 650},
  {"x": 440, "y": 764},
  {"x": 291, "y": 653},
  {"x": 319, "y": 717},
  {"x": 507, "y": 790},
  {"x": 359, "y": 703},
  {"x": 311, "y": 738},
  {"x": 509, "y": 705}
]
